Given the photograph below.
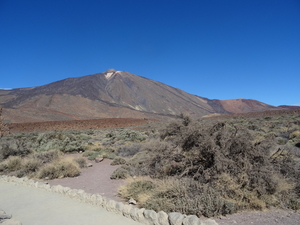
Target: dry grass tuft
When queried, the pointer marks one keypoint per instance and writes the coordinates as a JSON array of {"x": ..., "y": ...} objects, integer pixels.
[{"x": 60, "y": 169}]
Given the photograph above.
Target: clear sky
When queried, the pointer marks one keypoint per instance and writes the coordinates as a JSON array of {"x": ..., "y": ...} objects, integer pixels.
[{"x": 219, "y": 49}]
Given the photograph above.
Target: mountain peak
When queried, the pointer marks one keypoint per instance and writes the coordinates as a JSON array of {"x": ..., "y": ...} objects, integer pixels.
[{"x": 110, "y": 71}]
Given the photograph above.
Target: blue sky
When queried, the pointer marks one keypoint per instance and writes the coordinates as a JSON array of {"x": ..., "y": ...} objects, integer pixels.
[{"x": 219, "y": 49}]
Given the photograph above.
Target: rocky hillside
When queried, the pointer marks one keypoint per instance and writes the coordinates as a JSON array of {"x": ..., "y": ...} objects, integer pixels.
[{"x": 111, "y": 94}]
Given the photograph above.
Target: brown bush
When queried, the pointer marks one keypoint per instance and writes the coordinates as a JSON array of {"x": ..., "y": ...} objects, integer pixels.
[
  {"x": 60, "y": 169},
  {"x": 13, "y": 163},
  {"x": 81, "y": 162},
  {"x": 217, "y": 155}
]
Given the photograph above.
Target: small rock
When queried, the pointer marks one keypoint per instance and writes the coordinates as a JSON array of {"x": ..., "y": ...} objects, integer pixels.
[
  {"x": 11, "y": 222},
  {"x": 3, "y": 215},
  {"x": 132, "y": 201},
  {"x": 162, "y": 218},
  {"x": 191, "y": 220},
  {"x": 89, "y": 165},
  {"x": 176, "y": 218},
  {"x": 97, "y": 160}
]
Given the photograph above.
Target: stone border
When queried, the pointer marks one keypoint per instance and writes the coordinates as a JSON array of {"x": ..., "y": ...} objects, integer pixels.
[{"x": 147, "y": 217}]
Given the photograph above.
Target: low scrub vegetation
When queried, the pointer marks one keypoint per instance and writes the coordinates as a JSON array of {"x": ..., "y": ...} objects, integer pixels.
[
  {"x": 42, "y": 155},
  {"x": 205, "y": 167},
  {"x": 212, "y": 167}
]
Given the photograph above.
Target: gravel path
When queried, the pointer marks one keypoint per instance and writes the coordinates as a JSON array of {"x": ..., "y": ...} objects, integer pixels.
[
  {"x": 94, "y": 180},
  {"x": 35, "y": 207},
  {"x": 272, "y": 217}
]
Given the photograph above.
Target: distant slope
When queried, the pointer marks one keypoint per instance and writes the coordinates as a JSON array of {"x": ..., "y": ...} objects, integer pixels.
[
  {"x": 244, "y": 105},
  {"x": 111, "y": 94}
]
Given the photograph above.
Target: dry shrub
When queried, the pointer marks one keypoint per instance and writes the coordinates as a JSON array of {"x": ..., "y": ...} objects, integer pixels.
[
  {"x": 218, "y": 155},
  {"x": 140, "y": 189},
  {"x": 294, "y": 134},
  {"x": 81, "y": 162},
  {"x": 49, "y": 171},
  {"x": 31, "y": 165},
  {"x": 13, "y": 163},
  {"x": 3, "y": 167},
  {"x": 60, "y": 169},
  {"x": 48, "y": 156},
  {"x": 177, "y": 195}
]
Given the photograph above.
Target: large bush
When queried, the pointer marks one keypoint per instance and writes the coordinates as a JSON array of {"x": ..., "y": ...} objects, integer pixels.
[{"x": 227, "y": 163}]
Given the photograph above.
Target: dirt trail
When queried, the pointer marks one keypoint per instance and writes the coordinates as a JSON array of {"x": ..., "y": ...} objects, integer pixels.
[{"x": 94, "y": 180}]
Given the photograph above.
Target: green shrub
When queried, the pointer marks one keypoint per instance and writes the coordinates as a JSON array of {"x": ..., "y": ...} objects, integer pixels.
[
  {"x": 103, "y": 152},
  {"x": 126, "y": 135},
  {"x": 119, "y": 173},
  {"x": 88, "y": 153},
  {"x": 130, "y": 150},
  {"x": 13, "y": 148},
  {"x": 64, "y": 142},
  {"x": 118, "y": 161}
]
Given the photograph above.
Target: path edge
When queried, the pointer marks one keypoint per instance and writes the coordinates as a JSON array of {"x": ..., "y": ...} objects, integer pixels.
[{"x": 142, "y": 215}]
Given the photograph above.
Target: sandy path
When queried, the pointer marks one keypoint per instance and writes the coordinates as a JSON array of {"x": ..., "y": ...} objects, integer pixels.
[{"x": 35, "y": 207}]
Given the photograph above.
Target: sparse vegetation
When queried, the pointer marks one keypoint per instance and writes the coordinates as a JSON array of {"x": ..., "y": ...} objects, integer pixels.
[{"x": 205, "y": 167}]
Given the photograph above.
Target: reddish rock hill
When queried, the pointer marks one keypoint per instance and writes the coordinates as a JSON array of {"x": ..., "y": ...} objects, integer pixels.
[
  {"x": 244, "y": 105},
  {"x": 111, "y": 94}
]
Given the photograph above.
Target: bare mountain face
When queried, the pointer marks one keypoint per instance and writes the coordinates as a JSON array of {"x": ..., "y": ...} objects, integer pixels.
[{"x": 112, "y": 94}]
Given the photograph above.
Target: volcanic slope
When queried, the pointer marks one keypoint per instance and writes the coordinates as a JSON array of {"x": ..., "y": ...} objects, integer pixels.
[{"x": 104, "y": 95}]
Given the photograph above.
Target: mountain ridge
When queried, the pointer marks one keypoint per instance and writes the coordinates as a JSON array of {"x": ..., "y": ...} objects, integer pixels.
[{"x": 112, "y": 94}]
